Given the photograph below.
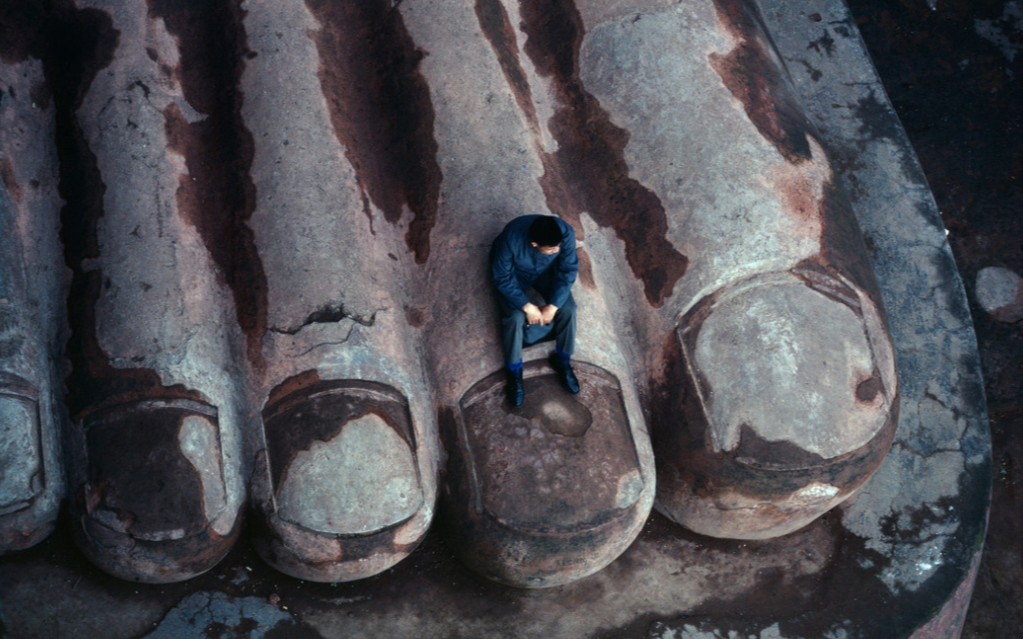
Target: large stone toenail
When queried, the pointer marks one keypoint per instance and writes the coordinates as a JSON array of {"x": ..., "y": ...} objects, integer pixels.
[
  {"x": 154, "y": 503},
  {"x": 790, "y": 397},
  {"x": 155, "y": 470},
  {"x": 550, "y": 492},
  {"x": 21, "y": 466},
  {"x": 361, "y": 480},
  {"x": 343, "y": 481},
  {"x": 784, "y": 363}
]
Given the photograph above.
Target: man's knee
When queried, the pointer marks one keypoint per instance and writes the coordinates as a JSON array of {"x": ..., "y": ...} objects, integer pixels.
[
  {"x": 568, "y": 308},
  {"x": 516, "y": 317}
]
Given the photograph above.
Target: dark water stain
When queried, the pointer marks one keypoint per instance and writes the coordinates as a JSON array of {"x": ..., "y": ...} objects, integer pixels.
[
  {"x": 571, "y": 418},
  {"x": 588, "y": 172},
  {"x": 74, "y": 45},
  {"x": 381, "y": 111},
  {"x": 753, "y": 77},
  {"x": 20, "y": 27},
  {"x": 141, "y": 474},
  {"x": 500, "y": 34},
  {"x": 217, "y": 195},
  {"x": 842, "y": 244}
]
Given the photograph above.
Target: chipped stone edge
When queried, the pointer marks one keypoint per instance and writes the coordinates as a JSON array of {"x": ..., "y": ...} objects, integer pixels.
[{"x": 926, "y": 302}]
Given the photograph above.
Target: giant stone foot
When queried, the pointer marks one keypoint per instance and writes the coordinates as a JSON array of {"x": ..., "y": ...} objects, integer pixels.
[{"x": 276, "y": 223}]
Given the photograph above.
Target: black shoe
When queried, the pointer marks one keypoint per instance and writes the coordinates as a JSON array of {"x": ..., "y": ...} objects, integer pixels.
[
  {"x": 565, "y": 374},
  {"x": 515, "y": 388}
]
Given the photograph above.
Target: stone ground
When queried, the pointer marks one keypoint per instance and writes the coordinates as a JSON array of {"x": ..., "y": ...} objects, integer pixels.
[
  {"x": 955, "y": 76},
  {"x": 950, "y": 74}
]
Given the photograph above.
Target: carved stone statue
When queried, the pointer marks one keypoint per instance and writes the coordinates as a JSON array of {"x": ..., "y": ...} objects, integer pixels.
[{"x": 244, "y": 265}]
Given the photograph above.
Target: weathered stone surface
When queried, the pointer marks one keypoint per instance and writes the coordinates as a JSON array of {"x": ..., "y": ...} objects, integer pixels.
[
  {"x": 925, "y": 511},
  {"x": 31, "y": 312},
  {"x": 897, "y": 560},
  {"x": 151, "y": 337}
]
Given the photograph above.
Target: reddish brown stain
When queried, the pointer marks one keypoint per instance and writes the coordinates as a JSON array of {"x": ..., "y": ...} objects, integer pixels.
[
  {"x": 499, "y": 32},
  {"x": 292, "y": 385},
  {"x": 588, "y": 172},
  {"x": 415, "y": 315},
  {"x": 586, "y": 269},
  {"x": 868, "y": 389},
  {"x": 141, "y": 474},
  {"x": 381, "y": 111},
  {"x": 74, "y": 45},
  {"x": 10, "y": 180},
  {"x": 800, "y": 200},
  {"x": 752, "y": 76},
  {"x": 217, "y": 195}
]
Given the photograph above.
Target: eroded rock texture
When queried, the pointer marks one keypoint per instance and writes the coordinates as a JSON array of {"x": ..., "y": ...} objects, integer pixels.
[{"x": 276, "y": 216}]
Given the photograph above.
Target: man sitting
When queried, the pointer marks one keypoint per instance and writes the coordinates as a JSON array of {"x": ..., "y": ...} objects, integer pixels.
[{"x": 533, "y": 264}]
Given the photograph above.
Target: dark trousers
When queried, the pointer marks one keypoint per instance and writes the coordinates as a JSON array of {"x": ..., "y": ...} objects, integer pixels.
[{"x": 517, "y": 334}]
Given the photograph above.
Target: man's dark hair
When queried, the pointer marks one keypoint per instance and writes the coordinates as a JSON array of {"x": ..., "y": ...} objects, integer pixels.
[{"x": 545, "y": 231}]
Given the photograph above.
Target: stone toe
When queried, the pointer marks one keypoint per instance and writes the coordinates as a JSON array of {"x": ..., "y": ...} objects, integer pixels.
[
  {"x": 154, "y": 505},
  {"x": 26, "y": 517},
  {"x": 793, "y": 396},
  {"x": 343, "y": 498},
  {"x": 548, "y": 493}
]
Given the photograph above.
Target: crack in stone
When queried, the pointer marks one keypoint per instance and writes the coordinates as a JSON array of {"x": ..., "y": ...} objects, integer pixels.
[
  {"x": 905, "y": 446},
  {"x": 343, "y": 340},
  {"x": 332, "y": 314}
]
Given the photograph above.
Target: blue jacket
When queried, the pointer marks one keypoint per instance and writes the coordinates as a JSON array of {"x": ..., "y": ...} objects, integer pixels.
[{"x": 515, "y": 265}]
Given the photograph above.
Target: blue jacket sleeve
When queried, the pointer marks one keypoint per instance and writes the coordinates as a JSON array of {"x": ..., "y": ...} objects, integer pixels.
[
  {"x": 502, "y": 271},
  {"x": 567, "y": 268}
]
